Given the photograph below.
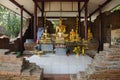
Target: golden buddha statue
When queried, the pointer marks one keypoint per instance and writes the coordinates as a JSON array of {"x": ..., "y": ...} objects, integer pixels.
[
  {"x": 72, "y": 35},
  {"x": 45, "y": 34},
  {"x": 60, "y": 27},
  {"x": 45, "y": 37},
  {"x": 60, "y": 32}
]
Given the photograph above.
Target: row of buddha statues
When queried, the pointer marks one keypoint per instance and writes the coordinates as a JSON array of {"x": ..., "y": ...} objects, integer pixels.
[{"x": 60, "y": 35}]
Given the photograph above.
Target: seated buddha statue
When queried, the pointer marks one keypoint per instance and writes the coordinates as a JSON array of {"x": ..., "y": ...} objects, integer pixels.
[
  {"x": 60, "y": 27},
  {"x": 45, "y": 37},
  {"x": 72, "y": 35},
  {"x": 60, "y": 34},
  {"x": 45, "y": 34}
]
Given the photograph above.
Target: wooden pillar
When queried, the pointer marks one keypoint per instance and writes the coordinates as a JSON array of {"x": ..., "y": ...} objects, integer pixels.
[
  {"x": 90, "y": 19},
  {"x": 100, "y": 32},
  {"x": 91, "y": 24},
  {"x": 32, "y": 27},
  {"x": 79, "y": 20},
  {"x": 86, "y": 22},
  {"x": 42, "y": 15},
  {"x": 21, "y": 33},
  {"x": 35, "y": 21}
]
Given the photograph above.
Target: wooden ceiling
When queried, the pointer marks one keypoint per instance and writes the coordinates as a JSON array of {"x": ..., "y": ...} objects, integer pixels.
[{"x": 55, "y": 8}]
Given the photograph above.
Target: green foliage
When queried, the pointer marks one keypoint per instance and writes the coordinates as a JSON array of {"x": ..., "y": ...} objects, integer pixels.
[
  {"x": 54, "y": 24},
  {"x": 10, "y": 21},
  {"x": 116, "y": 8}
]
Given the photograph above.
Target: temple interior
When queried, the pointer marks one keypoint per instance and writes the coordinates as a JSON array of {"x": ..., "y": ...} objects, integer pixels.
[{"x": 61, "y": 40}]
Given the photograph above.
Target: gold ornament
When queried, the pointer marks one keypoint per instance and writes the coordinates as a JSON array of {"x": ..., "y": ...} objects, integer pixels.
[{"x": 90, "y": 36}]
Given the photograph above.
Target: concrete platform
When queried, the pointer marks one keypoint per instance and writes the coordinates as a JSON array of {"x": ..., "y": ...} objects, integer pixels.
[{"x": 61, "y": 64}]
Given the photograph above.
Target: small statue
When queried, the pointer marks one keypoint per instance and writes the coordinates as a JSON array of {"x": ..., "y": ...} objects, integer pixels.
[
  {"x": 45, "y": 34},
  {"x": 72, "y": 35},
  {"x": 46, "y": 37}
]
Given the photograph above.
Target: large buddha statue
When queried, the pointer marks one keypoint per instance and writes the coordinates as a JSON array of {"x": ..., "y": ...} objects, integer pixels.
[
  {"x": 60, "y": 32},
  {"x": 60, "y": 27}
]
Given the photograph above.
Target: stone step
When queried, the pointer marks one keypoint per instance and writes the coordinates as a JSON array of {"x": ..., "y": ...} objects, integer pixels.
[
  {"x": 73, "y": 77},
  {"x": 105, "y": 66},
  {"x": 104, "y": 76}
]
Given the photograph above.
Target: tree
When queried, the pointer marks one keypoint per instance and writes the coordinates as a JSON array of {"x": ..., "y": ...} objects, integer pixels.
[
  {"x": 116, "y": 8},
  {"x": 10, "y": 21}
]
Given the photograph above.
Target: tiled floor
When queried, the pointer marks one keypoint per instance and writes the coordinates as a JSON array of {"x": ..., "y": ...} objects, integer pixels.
[{"x": 61, "y": 64}]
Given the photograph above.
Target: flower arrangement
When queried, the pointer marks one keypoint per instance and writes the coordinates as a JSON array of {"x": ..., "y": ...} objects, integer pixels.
[{"x": 77, "y": 50}]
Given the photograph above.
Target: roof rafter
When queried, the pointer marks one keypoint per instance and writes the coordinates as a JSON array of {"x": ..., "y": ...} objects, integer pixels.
[
  {"x": 20, "y": 6},
  {"x": 56, "y": 17},
  {"x": 37, "y": 5},
  {"x": 101, "y": 6},
  {"x": 84, "y": 5}
]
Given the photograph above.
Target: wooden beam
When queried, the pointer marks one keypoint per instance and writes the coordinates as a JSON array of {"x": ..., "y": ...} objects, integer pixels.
[
  {"x": 21, "y": 27},
  {"x": 90, "y": 19},
  {"x": 86, "y": 21},
  {"x": 20, "y": 6},
  {"x": 100, "y": 32},
  {"x": 91, "y": 28},
  {"x": 37, "y": 5},
  {"x": 42, "y": 15},
  {"x": 61, "y": 11},
  {"x": 84, "y": 5},
  {"x": 56, "y": 17},
  {"x": 79, "y": 19},
  {"x": 35, "y": 21},
  {"x": 103, "y": 5},
  {"x": 72, "y": 5},
  {"x": 62, "y": 0}
]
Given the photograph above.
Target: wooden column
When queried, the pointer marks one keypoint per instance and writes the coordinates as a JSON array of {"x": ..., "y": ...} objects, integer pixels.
[
  {"x": 79, "y": 20},
  {"x": 35, "y": 21},
  {"x": 42, "y": 15},
  {"x": 21, "y": 33},
  {"x": 91, "y": 24},
  {"x": 90, "y": 19},
  {"x": 86, "y": 22},
  {"x": 100, "y": 32}
]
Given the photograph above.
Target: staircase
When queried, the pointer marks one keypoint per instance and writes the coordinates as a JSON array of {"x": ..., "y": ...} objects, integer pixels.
[{"x": 57, "y": 77}]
